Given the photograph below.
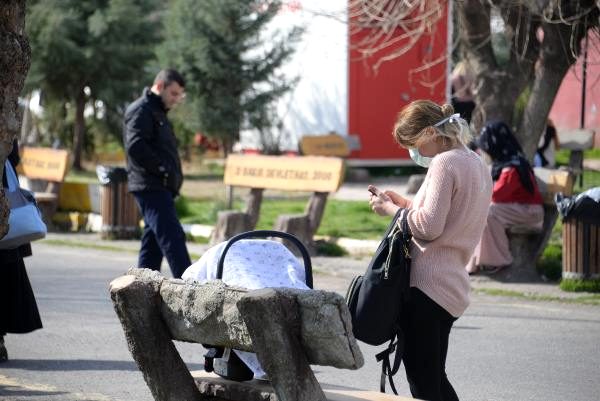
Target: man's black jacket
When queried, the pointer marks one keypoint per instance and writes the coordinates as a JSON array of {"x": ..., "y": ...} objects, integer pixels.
[{"x": 152, "y": 159}]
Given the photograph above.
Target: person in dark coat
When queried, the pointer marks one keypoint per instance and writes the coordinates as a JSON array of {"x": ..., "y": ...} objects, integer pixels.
[
  {"x": 154, "y": 172},
  {"x": 18, "y": 308}
]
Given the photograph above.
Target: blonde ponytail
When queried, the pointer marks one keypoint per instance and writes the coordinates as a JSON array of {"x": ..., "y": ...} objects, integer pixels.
[{"x": 422, "y": 119}]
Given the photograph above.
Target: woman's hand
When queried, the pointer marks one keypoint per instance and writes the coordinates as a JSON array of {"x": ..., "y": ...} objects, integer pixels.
[
  {"x": 398, "y": 199},
  {"x": 381, "y": 203}
]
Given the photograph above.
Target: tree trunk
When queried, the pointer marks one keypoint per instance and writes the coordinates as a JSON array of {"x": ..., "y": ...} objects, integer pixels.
[
  {"x": 79, "y": 129},
  {"x": 15, "y": 57},
  {"x": 554, "y": 63},
  {"x": 497, "y": 87}
]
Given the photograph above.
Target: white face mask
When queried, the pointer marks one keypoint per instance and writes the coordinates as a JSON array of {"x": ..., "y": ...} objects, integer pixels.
[{"x": 418, "y": 158}]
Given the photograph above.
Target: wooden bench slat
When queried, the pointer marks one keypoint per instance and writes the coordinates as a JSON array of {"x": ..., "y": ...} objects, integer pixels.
[{"x": 212, "y": 385}]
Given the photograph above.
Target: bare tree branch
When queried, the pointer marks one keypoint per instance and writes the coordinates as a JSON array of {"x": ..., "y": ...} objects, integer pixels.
[{"x": 391, "y": 28}]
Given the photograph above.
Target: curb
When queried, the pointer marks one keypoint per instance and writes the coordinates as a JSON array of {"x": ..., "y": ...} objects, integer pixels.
[{"x": 354, "y": 247}]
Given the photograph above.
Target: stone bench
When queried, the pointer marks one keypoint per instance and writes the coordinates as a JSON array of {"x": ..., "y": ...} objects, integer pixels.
[
  {"x": 577, "y": 141},
  {"x": 317, "y": 174},
  {"x": 528, "y": 243},
  {"x": 288, "y": 329}
]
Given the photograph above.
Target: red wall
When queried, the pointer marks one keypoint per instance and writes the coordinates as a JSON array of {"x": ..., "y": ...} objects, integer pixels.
[
  {"x": 376, "y": 98},
  {"x": 566, "y": 111}
]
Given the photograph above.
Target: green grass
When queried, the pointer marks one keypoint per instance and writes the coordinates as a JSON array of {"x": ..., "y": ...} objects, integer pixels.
[
  {"x": 353, "y": 219},
  {"x": 325, "y": 248},
  {"x": 562, "y": 156},
  {"x": 592, "y": 299},
  {"x": 577, "y": 285},
  {"x": 591, "y": 179},
  {"x": 201, "y": 211},
  {"x": 89, "y": 245},
  {"x": 82, "y": 176},
  {"x": 197, "y": 239},
  {"x": 84, "y": 244},
  {"x": 592, "y": 154}
]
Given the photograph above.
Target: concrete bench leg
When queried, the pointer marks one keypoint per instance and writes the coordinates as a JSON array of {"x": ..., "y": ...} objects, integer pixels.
[
  {"x": 137, "y": 305},
  {"x": 230, "y": 223},
  {"x": 527, "y": 247},
  {"x": 299, "y": 226},
  {"x": 287, "y": 368},
  {"x": 304, "y": 226}
]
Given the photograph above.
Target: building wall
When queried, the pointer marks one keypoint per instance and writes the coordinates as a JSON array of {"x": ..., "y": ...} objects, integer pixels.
[
  {"x": 566, "y": 111},
  {"x": 375, "y": 97}
]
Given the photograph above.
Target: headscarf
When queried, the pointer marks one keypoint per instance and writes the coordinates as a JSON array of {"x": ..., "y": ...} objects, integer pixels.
[{"x": 498, "y": 141}]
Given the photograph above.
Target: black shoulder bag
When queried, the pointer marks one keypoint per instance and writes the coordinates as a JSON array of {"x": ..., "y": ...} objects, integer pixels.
[{"x": 376, "y": 299}]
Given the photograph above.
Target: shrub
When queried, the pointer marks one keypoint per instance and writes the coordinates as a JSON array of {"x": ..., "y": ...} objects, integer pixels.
[
  {"x": 550, "y": 263},
  {"x": 182, "y": 207},
  {"x": 325, "y": 248}
]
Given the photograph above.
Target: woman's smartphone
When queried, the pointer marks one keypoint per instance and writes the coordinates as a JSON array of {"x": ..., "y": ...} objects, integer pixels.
[{"x": 374, "y": 190}]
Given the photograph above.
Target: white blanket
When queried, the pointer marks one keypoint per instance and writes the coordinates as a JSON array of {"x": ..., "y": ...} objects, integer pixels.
[{"x": 252, "y": 264}]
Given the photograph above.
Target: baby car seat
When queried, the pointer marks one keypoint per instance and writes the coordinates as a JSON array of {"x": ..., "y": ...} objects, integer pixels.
[{"x": 223, "y": 361}]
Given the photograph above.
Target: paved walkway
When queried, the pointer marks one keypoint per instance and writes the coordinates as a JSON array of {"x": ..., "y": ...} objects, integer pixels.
[{"x": 335, "y": 272}]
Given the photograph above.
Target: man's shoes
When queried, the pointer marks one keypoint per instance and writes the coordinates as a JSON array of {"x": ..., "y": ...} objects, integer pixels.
[{"x": 3, "y": 352}]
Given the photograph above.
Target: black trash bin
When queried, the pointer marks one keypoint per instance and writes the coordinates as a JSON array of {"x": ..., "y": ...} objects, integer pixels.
[
  {"x": 120, "y": 214},
  {"x": 581, "y": 234}
]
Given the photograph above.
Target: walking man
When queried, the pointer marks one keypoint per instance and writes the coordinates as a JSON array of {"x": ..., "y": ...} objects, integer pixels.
[{"x": 154, "y": 172}]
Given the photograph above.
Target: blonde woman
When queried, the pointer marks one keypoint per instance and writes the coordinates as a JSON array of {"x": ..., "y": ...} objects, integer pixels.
[{"x": 446, "y": 218}]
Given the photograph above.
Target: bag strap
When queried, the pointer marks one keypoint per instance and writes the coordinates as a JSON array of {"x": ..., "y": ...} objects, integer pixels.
[
  {"x": 393, "y": 224},
  {"x": 388, "y": 370},
  {"x": 403, "y": 217},
  {"x": 11, "y": 177}
]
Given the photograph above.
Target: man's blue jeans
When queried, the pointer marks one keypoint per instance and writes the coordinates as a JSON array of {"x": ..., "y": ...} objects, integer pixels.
[{"x": 163, "y": 234}]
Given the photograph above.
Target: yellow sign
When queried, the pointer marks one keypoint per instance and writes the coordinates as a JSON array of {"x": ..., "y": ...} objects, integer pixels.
[
  {"x": 44, "y": 163},
  {"x": 292, "y": 173},
  {"x": 324, "y": 145},
  {"x": 75, "y": 196}
]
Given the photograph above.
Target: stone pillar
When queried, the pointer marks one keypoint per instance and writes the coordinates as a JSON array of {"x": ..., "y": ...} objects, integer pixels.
[
  {"x": 137, "y": 303},
  {"x": 279, "y": 349}
]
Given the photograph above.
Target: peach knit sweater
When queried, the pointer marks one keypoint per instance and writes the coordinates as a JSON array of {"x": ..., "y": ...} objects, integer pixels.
[{"x": 447, "y": 217}]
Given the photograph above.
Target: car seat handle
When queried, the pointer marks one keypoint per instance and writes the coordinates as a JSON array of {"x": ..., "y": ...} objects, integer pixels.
[{"x": 266, "y": 234}]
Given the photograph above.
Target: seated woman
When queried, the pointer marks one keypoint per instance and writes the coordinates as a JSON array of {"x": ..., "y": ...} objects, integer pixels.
[
  {"x": 516, "y": 199},
  {"x": 251, "y": 264}
]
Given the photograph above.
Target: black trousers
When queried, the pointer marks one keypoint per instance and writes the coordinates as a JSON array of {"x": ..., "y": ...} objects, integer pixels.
[
  {"x": 18, "y": 309},
  {"x": 427, "y": 329},
  {"x": 163, "y": 234}
]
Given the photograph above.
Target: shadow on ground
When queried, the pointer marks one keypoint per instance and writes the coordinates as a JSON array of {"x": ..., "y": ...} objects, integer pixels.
[{"x": 68, "y": 365}]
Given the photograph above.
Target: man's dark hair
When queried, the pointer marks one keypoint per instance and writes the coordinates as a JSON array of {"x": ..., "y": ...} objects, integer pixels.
[{"x": 168, "y": 76}]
